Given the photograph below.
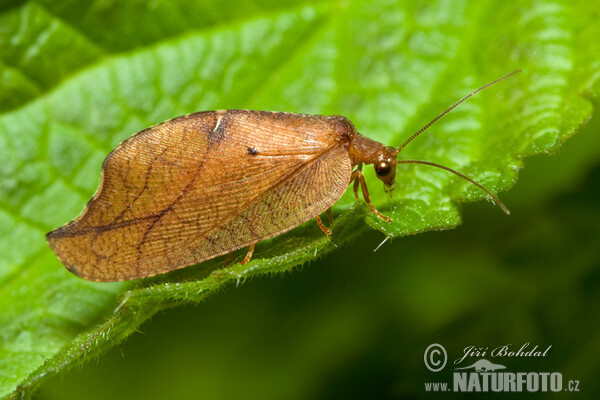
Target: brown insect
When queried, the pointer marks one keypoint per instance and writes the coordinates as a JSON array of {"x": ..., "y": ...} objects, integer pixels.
[{"x": 206, "y": 184}]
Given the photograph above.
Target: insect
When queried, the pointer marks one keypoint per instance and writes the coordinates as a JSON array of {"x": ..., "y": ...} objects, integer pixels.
[{"x": 209, "y": 183}]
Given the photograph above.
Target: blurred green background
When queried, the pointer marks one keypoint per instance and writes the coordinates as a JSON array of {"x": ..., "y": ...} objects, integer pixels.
[{"x": 356, "y": 323}]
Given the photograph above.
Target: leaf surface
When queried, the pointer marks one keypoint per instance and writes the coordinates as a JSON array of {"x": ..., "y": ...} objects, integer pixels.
[{"x": 79, "y": 79}]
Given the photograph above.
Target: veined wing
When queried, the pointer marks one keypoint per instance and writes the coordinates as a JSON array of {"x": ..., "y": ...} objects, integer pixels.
[
  {"x": 307, "y": 192},
  {"x": 169, "y": 192}
]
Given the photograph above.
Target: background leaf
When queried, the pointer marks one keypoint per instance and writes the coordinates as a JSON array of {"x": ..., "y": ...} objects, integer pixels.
[{"x": 78, "y": 79}]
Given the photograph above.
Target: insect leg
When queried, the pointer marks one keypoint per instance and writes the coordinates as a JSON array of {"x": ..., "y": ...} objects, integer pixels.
[
  {"x": 329, "y": 215},
  {"x": 358, "y": 168},
  {"x": 357, "y": 176},
  {"x": 227, "y": 260},
  {"x": 325, "y": 229},
  {"x": 248, "y": 255}
]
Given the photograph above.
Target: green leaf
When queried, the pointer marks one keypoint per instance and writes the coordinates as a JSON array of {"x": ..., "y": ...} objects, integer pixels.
[
  {"x": 344, "y": 327},
  {"x": 78, "y": 79}
]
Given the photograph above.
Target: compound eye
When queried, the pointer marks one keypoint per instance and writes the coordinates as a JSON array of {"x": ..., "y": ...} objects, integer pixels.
[{"x": 383, "y": 168}]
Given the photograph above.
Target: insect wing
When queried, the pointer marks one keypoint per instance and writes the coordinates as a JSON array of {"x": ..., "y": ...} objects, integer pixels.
[{"x": 199, "y": 186}]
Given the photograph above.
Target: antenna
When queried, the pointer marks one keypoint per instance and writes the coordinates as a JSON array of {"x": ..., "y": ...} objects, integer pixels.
[
  {"x": 494, "y": 197},
  {"x": 452, "y": 107},
  {"x": 433, "y": 121}
]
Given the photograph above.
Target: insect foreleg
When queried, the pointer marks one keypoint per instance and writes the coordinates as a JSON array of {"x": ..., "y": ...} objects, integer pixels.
[
  {"x": 352, "y": 177},
  {"x": 358, "y": 177}
]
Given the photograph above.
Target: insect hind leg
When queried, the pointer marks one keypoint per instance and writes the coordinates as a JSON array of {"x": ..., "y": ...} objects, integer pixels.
[{"x": 249, "y": 254}]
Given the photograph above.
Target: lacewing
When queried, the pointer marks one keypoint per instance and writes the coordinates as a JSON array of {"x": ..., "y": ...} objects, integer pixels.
[{"x": 209, "y": 183}]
